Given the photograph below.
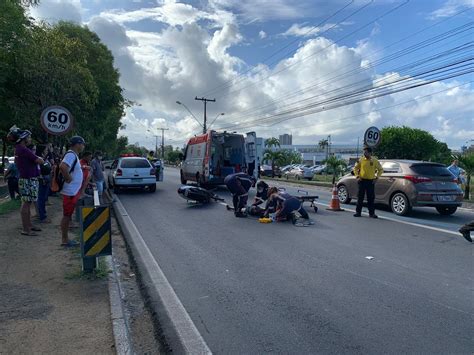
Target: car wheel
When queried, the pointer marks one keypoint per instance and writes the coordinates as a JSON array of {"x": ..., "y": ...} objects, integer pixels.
[
  {"x": 183, "y": 180},
  {"x": 152, "y": 188},
  {"x": 400, "y": 204},
  {"x": 343, "y": 194},
  {"x": 446, "y": 210}
]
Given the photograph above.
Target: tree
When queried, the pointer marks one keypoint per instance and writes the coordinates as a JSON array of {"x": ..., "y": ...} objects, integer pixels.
[
  {"x": 336, "y": 165},
  {"x": 272, "y": 143},
  {"x": 288, "y": 156},
  {"x": 411, "y": 143},
  {"x": 324, "y": 145},
  {"x": 466, "y": 161},
  {"x": 274, "y": 156}
]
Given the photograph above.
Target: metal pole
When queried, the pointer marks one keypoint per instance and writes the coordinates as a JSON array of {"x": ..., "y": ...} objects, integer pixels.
[
  {"x": 204, "y": 127},
  {"x": 163, "y": 142}
]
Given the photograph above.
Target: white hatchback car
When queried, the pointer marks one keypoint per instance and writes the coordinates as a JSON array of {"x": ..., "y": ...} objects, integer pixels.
[{"x": 131, "y": 171}]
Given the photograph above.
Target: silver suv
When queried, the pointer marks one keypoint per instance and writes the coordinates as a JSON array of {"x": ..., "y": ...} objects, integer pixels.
[{"x": 405, "y": 184}]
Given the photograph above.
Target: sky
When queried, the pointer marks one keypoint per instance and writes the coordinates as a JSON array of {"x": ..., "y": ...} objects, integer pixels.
[{"x": 261, "y": 58}]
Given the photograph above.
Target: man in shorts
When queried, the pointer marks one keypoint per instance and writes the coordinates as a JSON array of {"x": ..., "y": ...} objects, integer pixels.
[
  {"x": 70, "y": 168},
  {"x": 27, "y": 164}
]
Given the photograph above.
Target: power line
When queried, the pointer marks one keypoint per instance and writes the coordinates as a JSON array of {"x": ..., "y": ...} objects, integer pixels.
[
  {"x": 366, "y": 87},
  {"x": 226, "y": 84},
  {"x": 386, "y": 59},
  {"x": 313, "y": 54}
]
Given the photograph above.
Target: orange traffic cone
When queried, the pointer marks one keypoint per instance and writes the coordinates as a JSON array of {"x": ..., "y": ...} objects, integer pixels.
[{"x": 334, "y": 205}]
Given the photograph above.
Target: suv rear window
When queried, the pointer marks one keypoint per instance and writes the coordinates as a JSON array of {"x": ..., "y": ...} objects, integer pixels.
[
  {"x": 134, "y": 163},
  {"x": 430, "y": 170}
]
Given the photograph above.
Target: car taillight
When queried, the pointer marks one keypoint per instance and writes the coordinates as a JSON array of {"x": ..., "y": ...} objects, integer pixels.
[
  {"x": 119, "y": 172},
  {"x": 152, "y": 171},
  {"x": 417, "y": 179}
]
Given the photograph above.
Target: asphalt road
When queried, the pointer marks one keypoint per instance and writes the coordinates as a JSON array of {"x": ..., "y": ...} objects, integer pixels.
[{"x": 256, "y": 288}]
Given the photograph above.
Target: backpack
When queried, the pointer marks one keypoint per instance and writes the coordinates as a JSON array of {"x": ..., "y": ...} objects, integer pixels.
[{"x": 58, "y": 178}]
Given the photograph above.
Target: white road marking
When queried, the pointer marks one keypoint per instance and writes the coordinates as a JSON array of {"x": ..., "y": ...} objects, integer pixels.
[{"x": 403, "y": 222}]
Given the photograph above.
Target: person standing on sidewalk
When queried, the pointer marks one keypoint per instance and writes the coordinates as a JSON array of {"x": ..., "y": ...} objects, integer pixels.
[
  {"x": 44, "y": 184},
  {"x": 11, "y": 175},
  {"x": 86, "y": 172},
  {"x": 455, "y": 170},
  {"x": 27, "y": 163},
  {"x": 71, "y": 171},
  {"x": 367, "y": 171},
  {"x": 98, "y": 173}
]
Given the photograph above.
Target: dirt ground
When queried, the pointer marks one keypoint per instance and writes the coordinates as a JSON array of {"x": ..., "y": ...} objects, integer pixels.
[{"x": 46, "y": 306}]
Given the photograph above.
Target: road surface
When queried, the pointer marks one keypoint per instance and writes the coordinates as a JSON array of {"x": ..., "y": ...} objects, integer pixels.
[{"x": 256, "y": 288}]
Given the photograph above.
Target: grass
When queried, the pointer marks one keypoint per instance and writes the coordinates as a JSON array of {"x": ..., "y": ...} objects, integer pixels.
[
  {"x": 101, "y": 272},
  {"x": 9, "y": 206},
  {"x": 318, "y": 180}
]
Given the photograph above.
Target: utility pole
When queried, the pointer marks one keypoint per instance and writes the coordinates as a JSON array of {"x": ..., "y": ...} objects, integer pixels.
[
  {"x": 204, "y": 127},
  {"x": 163, "y": 142}
]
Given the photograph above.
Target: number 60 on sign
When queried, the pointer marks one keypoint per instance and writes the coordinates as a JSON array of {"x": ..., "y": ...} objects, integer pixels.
[
  {"x": 372, "y": 137},
  {"x": 57, "y": 120}
]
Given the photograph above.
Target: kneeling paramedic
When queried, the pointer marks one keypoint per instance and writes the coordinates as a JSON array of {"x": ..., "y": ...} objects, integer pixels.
[
  {"x": 239, "y": 185},
  {"x": 261, "y": 197},
  {"x": 286, "y": 206}
]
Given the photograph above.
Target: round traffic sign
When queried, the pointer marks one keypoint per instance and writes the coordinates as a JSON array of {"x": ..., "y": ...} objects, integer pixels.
[
  {"x": 372, "y": 137},
  {"x": 56, "y": 120}
]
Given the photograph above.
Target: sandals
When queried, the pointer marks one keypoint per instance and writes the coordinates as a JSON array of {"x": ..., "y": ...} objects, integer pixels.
[
  {"x": 30, "y": 234},
  {"x": 70, "y": 244}
]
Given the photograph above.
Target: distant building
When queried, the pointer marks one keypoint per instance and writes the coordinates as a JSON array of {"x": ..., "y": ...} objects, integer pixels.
[
  {"x": 286, "y": 139},
  {"x": 314, "y": 154}
]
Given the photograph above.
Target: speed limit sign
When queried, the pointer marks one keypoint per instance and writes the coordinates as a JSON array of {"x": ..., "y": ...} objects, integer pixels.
[
  {"x": 372, "y": 137},
  {"x": 56, "y": 120}
]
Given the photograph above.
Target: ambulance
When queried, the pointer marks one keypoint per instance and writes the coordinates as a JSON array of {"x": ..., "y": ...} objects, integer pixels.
[{"x": 210, "y": 157}]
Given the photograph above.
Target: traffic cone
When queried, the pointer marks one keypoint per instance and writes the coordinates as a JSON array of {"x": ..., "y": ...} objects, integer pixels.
[{"x": 334, "y": 205}]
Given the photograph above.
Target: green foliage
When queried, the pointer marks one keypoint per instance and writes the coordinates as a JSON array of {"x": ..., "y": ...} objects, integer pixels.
[
  {"x": 466, "y": 161},
  {"x": 272, "y": 142},
  {"x": 411, "y": 143},
  {"x": 174, "y": 156},
  {"x": 335, "y": 165},
  {"x": 282, "y": 157},
  {"x": 64, "y": 64},
  {"x": 133, "y": 149}
]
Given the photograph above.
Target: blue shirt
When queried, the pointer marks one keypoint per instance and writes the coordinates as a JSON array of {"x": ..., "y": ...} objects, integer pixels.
[{"x": 455, "y": 170}]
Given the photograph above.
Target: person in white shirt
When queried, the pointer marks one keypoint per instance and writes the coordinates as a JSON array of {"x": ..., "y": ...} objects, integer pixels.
[{"x": 70, "y": 168}]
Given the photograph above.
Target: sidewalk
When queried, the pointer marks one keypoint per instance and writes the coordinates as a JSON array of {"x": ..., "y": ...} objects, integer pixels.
[{"x": 46, "y": 305}]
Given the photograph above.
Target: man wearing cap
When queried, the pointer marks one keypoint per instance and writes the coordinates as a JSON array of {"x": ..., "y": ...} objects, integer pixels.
[
  {"x": 239, "y": 185},
  {"x": 70, "y": 168},
  {"x": 367, "y": 171},
  {"x": 27, "y": 164}
]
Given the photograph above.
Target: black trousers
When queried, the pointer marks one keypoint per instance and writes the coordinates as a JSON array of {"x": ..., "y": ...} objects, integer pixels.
[
  {"x": 239, "y": 202},
  {"x": 13, "y": 187},
  {"x": 468, "y": 227},
  {"x": 366, "y": 186}
]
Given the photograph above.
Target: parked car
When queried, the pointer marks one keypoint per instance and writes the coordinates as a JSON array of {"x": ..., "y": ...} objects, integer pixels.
[
  {"x": 299, "y": 173},
  {"x": 320, "y": 169},
  {"x": 131, "y": 171},
  {"x": 405, "y": 184},
  {"x": 266, "y": 170}
]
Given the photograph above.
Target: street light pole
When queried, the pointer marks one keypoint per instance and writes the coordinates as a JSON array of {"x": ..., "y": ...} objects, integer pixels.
[
  {"x": 187, "y": 109},
  {"x": 219, "y": 114}
]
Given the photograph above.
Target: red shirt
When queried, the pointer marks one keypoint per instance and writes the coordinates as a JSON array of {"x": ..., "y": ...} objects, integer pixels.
[{"x": 85, "y": 169}]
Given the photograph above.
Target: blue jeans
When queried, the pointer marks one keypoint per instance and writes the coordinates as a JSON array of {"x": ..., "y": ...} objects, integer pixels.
[
  {"x": 100, "y": 187},
  {"x": 42, "y": 198}
]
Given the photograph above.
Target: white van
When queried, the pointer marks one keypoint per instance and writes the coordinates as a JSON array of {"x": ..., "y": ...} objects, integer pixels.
[{"x": 210, "y": 157}]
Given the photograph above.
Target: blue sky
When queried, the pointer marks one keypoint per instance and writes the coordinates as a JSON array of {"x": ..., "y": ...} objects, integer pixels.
[{"x": 168, "y": 50}]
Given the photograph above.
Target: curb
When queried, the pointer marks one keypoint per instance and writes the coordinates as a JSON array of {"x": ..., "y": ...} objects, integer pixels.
[
  {"x": 123, "y": 345},
  {"x": 178, "y": 328}
]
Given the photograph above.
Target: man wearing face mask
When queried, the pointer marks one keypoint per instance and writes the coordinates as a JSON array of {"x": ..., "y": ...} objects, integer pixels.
[{"x": 367, "y": 171}]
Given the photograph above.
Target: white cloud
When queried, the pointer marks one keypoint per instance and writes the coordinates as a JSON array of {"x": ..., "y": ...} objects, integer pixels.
[
  {"x": 56, "y": 10},
  {"x": 450, "y": 8},
  {"x": 262, "y": 34},
  {"x": 299, "y": 30}
]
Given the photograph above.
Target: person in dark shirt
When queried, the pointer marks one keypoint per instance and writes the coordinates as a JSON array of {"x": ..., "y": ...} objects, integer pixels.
[
  {"x": 11, "y": 175},
  {"x": 239, "y": 185},
  {"x": 27, "y": 163}
]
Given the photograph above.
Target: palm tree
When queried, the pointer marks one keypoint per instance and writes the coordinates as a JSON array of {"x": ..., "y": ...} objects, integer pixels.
[
  {"x": 272, "y": 142},
  {"x": 336, "y": 165},
  {"x": 467, "y": 163},
  {"x": 323, "y": 144},
  {"x": 273, "y": 156}
]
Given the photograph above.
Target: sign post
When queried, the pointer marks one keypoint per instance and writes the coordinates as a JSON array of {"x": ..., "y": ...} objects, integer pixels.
[
  {"x": 372, "y": 137},
  {"x": 57, "y": 120}
]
